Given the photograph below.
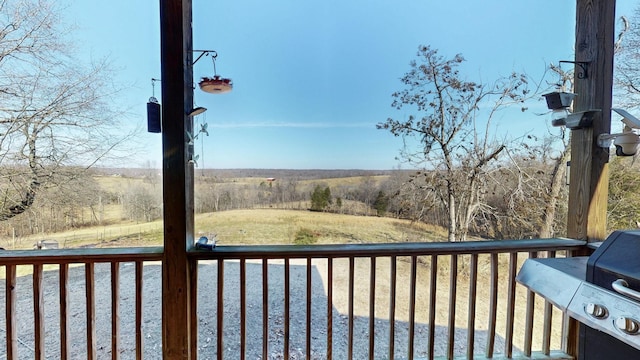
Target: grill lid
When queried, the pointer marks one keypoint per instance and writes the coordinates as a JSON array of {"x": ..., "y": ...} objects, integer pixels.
[{"x": 617, "y": 258}]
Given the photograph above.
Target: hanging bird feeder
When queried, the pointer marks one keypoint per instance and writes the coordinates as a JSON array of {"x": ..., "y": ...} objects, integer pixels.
[{"x": 215, "y": 84}]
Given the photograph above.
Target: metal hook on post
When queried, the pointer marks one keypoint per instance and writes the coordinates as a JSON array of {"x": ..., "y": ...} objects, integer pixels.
[
  {"x": 584, "y": 65},
  {"x": 153, "y": 87},
  {"x": 213, "y": 53}
]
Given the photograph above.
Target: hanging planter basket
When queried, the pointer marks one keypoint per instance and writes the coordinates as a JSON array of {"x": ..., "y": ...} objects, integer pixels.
[{"x": 215, "y": 85}]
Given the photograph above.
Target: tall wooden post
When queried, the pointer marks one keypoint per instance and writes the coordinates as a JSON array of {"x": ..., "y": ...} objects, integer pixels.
[
  {"x": 588, "y": 190},
  {"x": 177, "y": 172}
]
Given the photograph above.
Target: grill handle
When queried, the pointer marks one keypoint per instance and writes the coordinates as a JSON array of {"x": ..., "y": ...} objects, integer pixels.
[{"x": 622, "y": 287}]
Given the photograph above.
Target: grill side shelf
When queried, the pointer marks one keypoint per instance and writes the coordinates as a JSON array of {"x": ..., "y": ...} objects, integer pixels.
[{"x": 555, "y": 279}]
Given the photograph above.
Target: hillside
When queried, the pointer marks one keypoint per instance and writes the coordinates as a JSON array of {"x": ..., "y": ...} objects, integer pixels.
[
  {"x": 254, "y": 226},
  {"x": 123, "y": 207}
]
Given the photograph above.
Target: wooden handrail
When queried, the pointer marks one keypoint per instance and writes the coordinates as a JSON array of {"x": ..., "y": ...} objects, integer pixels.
[
  {"x": 397, "y": 249},
  {"x": 70, "y": 256}
]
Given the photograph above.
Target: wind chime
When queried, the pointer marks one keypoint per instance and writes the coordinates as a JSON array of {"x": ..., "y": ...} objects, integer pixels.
[{"x": 153, "y": 110}]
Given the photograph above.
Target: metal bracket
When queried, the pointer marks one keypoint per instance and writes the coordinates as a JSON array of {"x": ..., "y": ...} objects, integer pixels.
[
  {"x": 213, "y": 53},
  {"x": 584, "y": 65}
]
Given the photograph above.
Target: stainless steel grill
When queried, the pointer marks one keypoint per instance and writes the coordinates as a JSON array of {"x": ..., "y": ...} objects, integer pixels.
[{"x": 601, "y": 291}]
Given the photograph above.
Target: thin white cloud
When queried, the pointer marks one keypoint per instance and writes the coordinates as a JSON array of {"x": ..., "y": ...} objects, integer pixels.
[{"x": 312, "y": 125}]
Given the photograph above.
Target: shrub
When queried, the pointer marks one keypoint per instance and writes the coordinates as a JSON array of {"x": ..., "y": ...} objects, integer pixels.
[{"x": 305, "y": 237}]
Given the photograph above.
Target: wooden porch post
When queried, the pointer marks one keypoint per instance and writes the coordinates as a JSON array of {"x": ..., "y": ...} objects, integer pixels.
[
  {"x": 588, "y": 190},
  {"x": 177, "y": 175}
]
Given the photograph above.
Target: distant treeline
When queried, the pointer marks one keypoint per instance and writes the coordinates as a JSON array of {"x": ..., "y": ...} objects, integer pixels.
[
  {"x": 510, "y": 210},
  {"x": 298, "y": 174}
]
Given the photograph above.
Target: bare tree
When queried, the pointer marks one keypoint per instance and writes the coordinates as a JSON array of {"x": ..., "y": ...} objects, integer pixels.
[
  {"x": 627, "y": 62},
  {"x": 533, "y": 183},
  {"x": 53, "y": 109},
  {"x": 453, "y": 132},
  {"x": 525, "y": 192},
  {"x": 142, "y": 204}
]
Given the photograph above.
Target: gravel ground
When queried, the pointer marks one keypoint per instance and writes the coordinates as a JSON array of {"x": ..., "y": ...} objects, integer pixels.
[{"x": 207, "y": 316}]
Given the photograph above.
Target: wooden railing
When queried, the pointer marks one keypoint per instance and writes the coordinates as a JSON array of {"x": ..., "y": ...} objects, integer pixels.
[
  {"x": 424, "y": 300},
  {"x": 70, "y": 304}
]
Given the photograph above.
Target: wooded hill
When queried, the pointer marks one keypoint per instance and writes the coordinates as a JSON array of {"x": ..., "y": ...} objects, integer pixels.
[{"x": 127, "y": 196}]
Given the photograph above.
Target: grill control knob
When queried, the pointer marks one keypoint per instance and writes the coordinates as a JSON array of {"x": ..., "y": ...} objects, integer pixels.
[
  {"x": 596, "y": 310},
  {"x": 627, "y": 325}
]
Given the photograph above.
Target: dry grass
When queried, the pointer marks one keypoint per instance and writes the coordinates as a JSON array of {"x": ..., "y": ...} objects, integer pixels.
[
  {"x": 273, "y": 226},
  {"x": 347, "y": 181},
  {"x": 255, "y": 226}
]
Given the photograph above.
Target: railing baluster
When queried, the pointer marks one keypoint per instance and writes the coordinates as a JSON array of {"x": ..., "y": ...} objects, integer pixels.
[
  {"x": 10, "y": 312},
  {"x": 330, "y": 308},
  {"x": 91, "y": 310},
  {"x": 220, "y": 311},
  {"x": 372, "y": 308},
  {"x": 511, "y": 303},
  {"x": 243, "y": 308},
  {"x": 433, "y": 287},
  {"x": 493, "y": 307},
  {"x": 412, "y": 306},
  {"x": 139, "y": 319},
  {"x": 309, "y": 307},
  {"x": 38, "y": 311},
  {"x": 453, "y": 280},
  {"x": 471, "y": 322},
  {"x": 528, "y": 327},
  {"x": 265, "y": 308},
  {"x": 287, "y": 309},
  {"x": 392, "y": 304},
  {"x": 64, "y": 311},
  {"x": 351, "y": 295},
  {"x": 115, "y": 310},
  {"x": 548, "y": 318},
  {"x": 546, "y": 332}
]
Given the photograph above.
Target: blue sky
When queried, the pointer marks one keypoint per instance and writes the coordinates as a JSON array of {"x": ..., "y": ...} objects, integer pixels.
[{"x": 312, "y": 79}]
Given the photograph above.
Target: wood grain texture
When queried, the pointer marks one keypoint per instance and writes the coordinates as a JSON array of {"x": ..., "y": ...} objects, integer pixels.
[
  {"x": 115, "y": 310},
  {"x": 177, "y": 173},
  {"x": 90, "y": 288},
  {"x": 38, "y": 311},
  {"x": 64, "y": 312},
  {"x": 10, "y": 308},
  {"x": 588, "y": 191},
  {"x": 139, "y": 309}
]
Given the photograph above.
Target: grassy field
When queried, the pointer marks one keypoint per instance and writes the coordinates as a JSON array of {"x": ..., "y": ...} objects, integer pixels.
[
  {"x": 250, "y": 226},
  {"x": 255, "y": 226},
  {"x": 272, "y": 226}
]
